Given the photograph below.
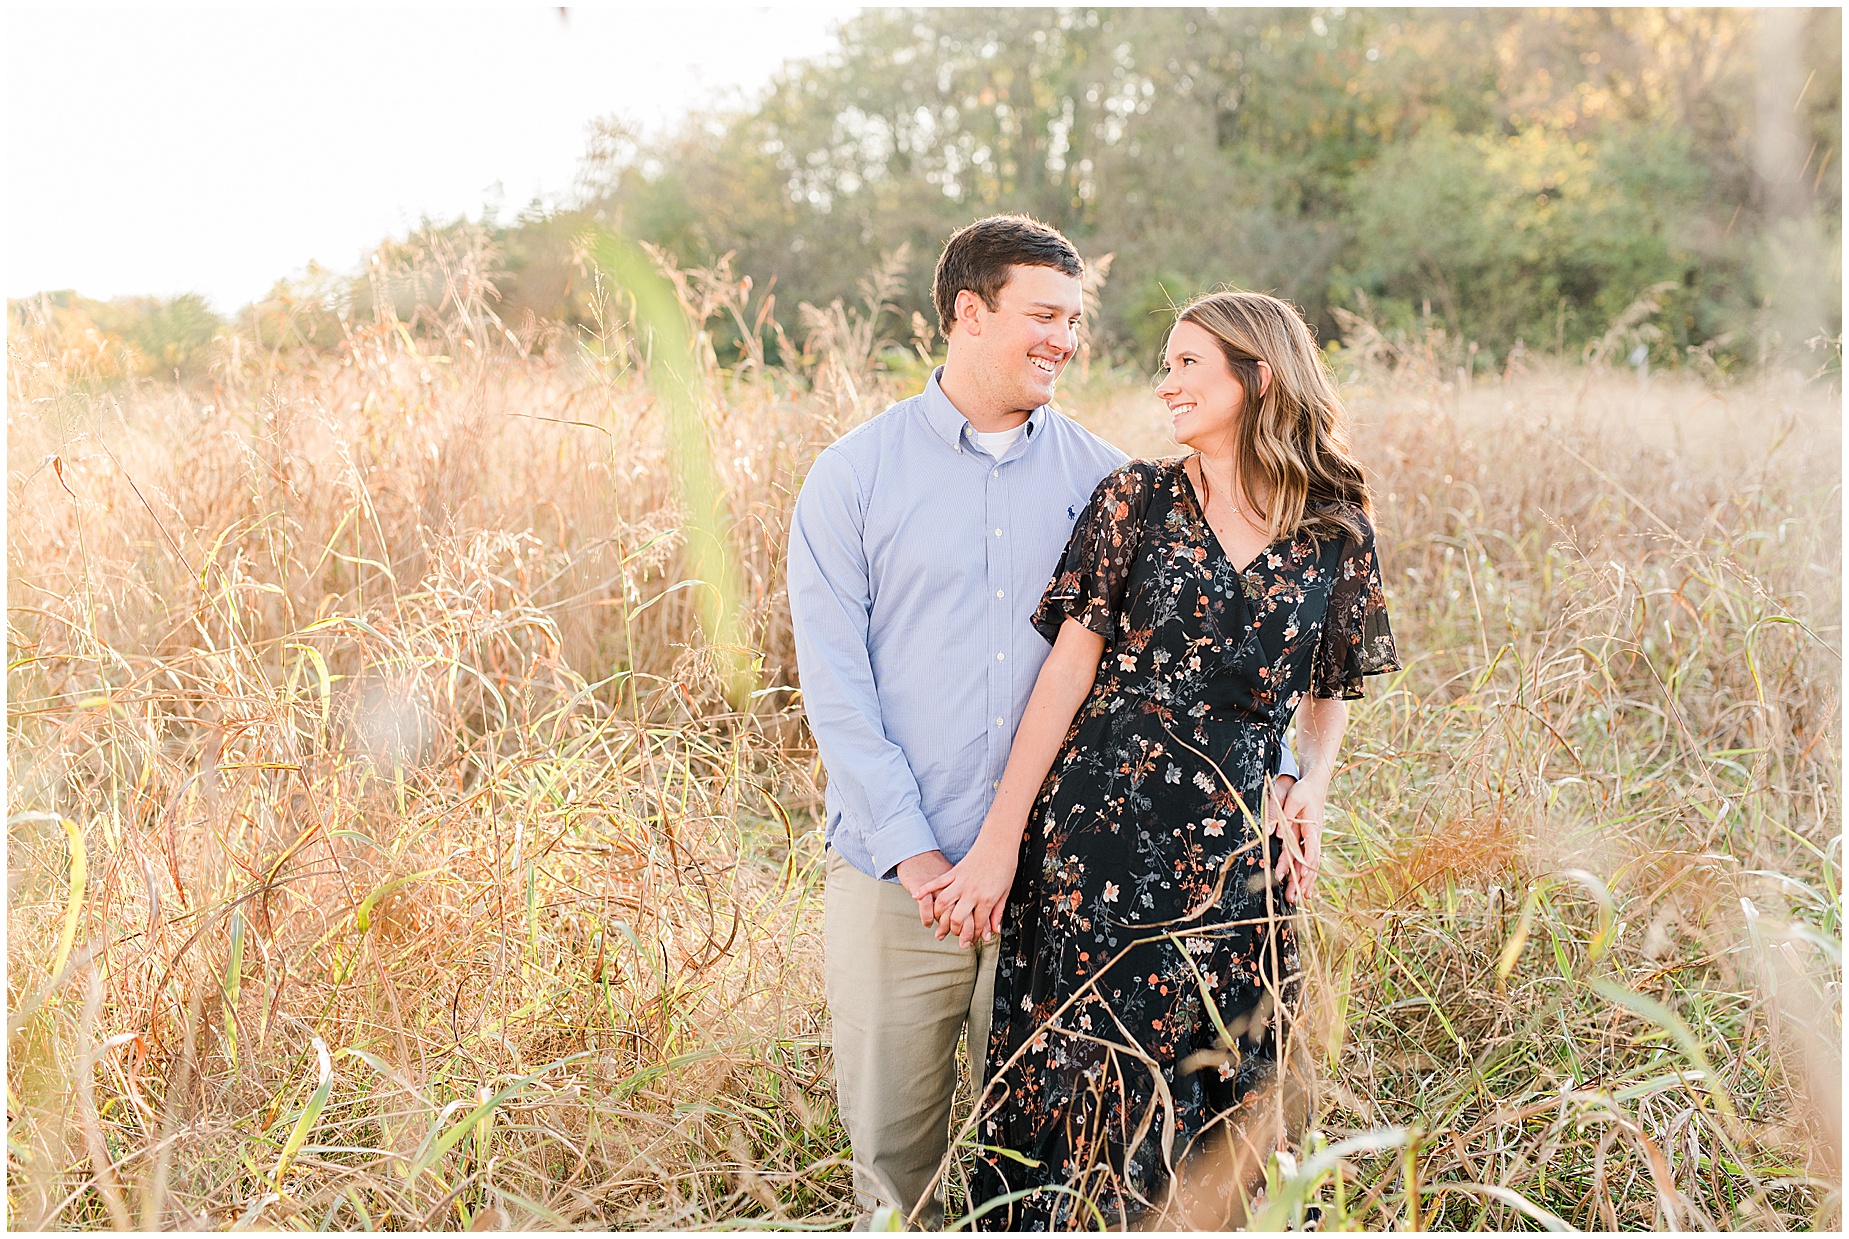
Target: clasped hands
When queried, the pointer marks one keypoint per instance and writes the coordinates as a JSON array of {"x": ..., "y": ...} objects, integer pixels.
[{"x": 968, "y": 898}]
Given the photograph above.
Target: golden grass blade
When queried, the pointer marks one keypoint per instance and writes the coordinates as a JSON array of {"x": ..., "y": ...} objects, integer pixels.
[
  {"x": 1608, "y": 910},
  {"x": 1518, "y": 938},
  {"x": 322, "y": 677},
  {"x": 73, "y": 911}
]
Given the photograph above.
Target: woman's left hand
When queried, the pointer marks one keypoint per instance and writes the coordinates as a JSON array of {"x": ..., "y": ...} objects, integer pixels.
[
  {"x": 1299, "y": 826},
  {"x": 972, "y": 895}
]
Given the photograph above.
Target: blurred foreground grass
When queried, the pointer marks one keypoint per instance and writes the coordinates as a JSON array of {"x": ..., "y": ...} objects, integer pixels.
[{"x": 388, "y": 849}]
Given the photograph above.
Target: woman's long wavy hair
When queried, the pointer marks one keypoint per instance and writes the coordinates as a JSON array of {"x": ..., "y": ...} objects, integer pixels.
[{"x": 1292, "y": 441}]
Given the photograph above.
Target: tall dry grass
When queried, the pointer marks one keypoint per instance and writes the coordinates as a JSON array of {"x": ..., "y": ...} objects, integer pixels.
[{"x": 384, "y": 851}]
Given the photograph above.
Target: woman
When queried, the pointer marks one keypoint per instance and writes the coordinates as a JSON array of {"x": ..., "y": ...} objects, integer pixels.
[{"x": 1147, "y": 957}]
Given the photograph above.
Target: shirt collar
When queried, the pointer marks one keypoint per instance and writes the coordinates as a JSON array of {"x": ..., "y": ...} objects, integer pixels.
[{"x": 950, "y": 425}]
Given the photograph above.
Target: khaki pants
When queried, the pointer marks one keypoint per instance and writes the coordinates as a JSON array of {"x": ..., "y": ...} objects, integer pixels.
[{"x": 898, "y": 999}]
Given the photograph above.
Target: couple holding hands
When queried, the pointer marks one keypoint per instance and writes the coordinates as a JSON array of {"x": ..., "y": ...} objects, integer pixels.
[{"x": 1050, "y": 688}]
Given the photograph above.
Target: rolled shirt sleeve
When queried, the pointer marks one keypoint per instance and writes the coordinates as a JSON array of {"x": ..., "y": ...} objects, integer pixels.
[{"x": 830, "y": 608}]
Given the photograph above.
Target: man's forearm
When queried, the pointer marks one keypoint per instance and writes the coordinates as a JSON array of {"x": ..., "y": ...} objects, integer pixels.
[
  {"x": 829, "y": 600},
  {"x": 873, "y": 776}
]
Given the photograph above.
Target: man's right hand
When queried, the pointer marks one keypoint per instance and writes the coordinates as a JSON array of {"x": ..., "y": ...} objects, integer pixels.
[{"x": 917, "y": 872}]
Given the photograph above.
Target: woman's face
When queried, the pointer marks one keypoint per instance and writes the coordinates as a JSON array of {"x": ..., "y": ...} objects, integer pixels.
[{"x": 1203, "y": 394}]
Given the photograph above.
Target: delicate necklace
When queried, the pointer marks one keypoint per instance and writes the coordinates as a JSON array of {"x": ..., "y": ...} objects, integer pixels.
[{"x": 1202, "y": 466}]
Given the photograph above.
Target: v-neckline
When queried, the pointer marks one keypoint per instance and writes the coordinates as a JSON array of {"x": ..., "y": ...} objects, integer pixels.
[{"x": 1200, "y": 510}]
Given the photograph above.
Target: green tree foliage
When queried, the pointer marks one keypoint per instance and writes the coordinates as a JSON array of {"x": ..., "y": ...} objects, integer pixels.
[
  {"x": 158, "y": 337},
  {"x": 172, "y": 334},
  {"x": 1503, "y": 234},
  {"x": 1525, "y": 173}
]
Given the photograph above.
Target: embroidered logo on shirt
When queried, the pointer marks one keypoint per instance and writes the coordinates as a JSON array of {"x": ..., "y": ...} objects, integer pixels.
[{"x": 1072, "y": 513}]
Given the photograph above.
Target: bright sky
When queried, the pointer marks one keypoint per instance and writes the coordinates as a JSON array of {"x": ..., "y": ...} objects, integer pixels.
[{"x": 215, "y": 149}]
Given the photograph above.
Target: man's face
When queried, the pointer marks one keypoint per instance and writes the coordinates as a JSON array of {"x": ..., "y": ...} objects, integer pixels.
[{"x": 1023, "y": 345}]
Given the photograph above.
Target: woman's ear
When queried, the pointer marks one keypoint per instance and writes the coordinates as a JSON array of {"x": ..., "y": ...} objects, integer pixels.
[{"x": 1264, "y": 378}]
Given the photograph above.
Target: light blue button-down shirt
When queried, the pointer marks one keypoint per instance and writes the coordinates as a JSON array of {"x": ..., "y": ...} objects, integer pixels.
[{"x": 916, "y": 561}]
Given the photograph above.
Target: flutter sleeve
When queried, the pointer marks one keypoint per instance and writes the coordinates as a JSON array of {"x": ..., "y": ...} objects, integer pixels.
[
  {"x": 1356, "y": 639},
  {"x": 1094, "y": 572}
]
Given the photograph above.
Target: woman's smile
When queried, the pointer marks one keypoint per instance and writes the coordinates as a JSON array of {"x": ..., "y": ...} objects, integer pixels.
[{"x": 1202, "y": 393}]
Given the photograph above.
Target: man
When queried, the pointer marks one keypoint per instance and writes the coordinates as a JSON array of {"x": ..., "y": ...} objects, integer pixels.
[{"x": 920, "y": 546}]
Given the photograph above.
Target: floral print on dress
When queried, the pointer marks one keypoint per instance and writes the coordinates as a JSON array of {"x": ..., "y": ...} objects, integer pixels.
[{"x": 1147, "y": 952}]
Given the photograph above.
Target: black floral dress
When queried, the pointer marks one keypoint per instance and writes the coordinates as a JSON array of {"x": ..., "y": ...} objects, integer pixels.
[{"x": 1146, "y": 957}]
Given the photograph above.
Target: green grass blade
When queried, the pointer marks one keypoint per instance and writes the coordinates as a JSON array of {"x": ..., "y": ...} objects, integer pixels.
[
  {"x": 466, "y": 1124},
  {"x": 311, "y": 1112}
]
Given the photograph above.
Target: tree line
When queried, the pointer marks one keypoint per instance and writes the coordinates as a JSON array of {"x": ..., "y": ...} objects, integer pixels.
[
  {"x": 1508, "y": 175},
  {"x": 1513, "y": 174}
]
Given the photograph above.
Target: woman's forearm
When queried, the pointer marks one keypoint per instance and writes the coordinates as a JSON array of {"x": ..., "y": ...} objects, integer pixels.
[
  {"x": 1065, "y": 679},
  {"x": 1320, "y": 724}
]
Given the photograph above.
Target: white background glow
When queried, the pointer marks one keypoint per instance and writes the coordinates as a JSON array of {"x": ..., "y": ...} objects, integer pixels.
[{"x": 215, "y": 150}]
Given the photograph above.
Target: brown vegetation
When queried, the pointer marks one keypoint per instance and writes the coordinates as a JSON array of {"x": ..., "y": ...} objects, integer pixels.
[{"x": 384, "y": 851}]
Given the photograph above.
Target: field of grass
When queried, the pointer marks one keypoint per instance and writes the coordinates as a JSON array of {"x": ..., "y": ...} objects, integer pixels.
[{"x": 388, "y": 848}]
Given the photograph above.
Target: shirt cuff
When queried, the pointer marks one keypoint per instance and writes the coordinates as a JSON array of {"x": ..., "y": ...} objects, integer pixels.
[
  {"x": 1287, "y": 762},
  {"x": 899, "y": 840}
]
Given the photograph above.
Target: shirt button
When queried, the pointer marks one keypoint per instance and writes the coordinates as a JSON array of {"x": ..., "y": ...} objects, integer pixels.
[
  {"x": 995, "y": 473},
  {"x": 996, "y": 784},
  {"x": 1000, "y": 594},
  {"x": 999, "y": 657},
  {"x": 998, "y": 533},
  {"x": 1000, "y": 721}
]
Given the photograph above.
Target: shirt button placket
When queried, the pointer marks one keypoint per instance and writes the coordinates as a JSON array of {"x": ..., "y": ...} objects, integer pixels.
[{"x": 997, "y": 625}]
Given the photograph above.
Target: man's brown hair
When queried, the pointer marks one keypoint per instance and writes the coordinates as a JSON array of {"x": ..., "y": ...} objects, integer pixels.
[{"x": 978, "y": 255}]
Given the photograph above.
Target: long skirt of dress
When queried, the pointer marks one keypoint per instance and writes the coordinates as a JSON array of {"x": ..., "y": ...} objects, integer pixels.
[{"x": 1147, "y": 963}]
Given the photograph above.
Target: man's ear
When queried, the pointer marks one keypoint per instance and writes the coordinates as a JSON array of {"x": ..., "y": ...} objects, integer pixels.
[{"x": 968, "y": 305}]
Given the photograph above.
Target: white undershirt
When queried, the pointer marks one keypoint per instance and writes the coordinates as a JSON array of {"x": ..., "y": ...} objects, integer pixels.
[{"x": 997, "y": 442}]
